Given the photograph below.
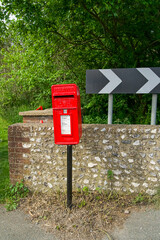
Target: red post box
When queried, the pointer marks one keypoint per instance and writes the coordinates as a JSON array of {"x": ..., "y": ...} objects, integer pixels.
[{"x": 66, "y": 114}]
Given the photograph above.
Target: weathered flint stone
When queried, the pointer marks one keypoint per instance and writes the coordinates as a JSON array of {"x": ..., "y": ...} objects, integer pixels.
[
  {"x": 126, "y": 141},
  {"x": 122, "y": 149}
]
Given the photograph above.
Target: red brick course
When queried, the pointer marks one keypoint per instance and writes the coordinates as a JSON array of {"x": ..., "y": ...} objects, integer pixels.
[{"x": 15, "y": 151}]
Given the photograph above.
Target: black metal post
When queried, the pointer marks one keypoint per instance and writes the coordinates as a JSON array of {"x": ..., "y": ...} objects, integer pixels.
[{"x": 69, "y": 176}]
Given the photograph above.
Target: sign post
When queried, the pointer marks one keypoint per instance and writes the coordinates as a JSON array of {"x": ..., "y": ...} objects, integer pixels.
[
  {"x": 69, "y": 176},
  {"x": 125, "y": 80},
  {"x": 110, "y": 108},
  {"x": 154, "y": 109}
]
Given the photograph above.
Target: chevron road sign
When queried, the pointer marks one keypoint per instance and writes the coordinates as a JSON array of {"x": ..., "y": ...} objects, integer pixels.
[{"x": 123, "y": 80}]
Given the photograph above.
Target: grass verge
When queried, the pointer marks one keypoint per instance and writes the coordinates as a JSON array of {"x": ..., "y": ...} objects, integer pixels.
[
  {"x": 4, "y": 165},
  {"x": 4, "y": 170}
]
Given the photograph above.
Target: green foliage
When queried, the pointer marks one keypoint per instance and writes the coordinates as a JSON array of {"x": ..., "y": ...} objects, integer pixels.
[
  {"x": 11, "y": 114},
  {"x": 4, "y": 170},
  {"x": 99, "y": 190},
  {"x": 82, "y": 204},
  {"x": 58, "y": 227},
  {"x": 139, "y": 198},
  {"x": 3, "y": 129},
  {"x": 85, "y": 190},
  {"x": 143, "y": 198},
  {"x": 56, "y": 41},
  {"x": 14, "y": 194},
  {"x": 110, "y": 174},
  {"x": 4, "y": 165}
]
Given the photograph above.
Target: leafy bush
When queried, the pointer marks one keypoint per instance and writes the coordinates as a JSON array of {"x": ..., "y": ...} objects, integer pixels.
[
  {"x": 14, "y": 194},
  {"x": 67, "y": 38}
]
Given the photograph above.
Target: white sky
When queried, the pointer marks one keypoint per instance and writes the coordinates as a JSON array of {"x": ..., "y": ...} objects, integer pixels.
[{"x": 11, "y": 15}]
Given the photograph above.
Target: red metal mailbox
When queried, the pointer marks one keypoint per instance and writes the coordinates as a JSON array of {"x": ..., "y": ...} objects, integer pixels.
[{"x": 66, "y": 114}]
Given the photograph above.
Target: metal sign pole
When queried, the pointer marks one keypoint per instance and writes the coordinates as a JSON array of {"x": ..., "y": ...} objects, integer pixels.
[
  {"x": 154, "y": 109},
  {"x": 69, "y": 176},
  {"x": 110, "y": 108}
]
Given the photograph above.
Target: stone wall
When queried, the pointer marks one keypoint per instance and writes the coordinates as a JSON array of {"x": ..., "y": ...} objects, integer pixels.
[{"x": 131, "y": 152}]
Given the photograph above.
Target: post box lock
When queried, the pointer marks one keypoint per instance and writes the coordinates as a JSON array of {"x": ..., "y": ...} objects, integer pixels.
[
  {"x": 66, "y": 114},
  {"x": 65, "y": 111}
]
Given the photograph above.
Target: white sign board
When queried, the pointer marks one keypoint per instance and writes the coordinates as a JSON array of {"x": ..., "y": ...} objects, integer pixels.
[{"x": 65, "y": 124}]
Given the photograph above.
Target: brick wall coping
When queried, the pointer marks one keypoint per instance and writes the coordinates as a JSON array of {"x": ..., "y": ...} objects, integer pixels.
[{"x": 46, "y": 112}]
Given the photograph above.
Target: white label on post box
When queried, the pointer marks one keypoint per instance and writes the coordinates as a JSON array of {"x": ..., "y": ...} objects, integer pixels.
[{"x": 65, "y": 124}]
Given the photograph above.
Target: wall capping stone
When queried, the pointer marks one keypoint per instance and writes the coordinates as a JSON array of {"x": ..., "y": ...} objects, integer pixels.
[{"x": 35, "y": 116}]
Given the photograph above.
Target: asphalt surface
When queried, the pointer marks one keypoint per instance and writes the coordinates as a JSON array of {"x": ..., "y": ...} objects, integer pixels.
[
  {"x": 15, "y": 225},
  {"x": 139, "y": 226}
]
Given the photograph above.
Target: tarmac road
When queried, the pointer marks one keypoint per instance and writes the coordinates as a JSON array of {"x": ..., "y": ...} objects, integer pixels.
[
  {"x": 140, "y": 226},
  {"x": 15, "y": 225}
]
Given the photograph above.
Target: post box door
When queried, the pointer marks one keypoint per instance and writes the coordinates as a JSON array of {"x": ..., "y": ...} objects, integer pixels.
[{"x": 66, "y": 126}]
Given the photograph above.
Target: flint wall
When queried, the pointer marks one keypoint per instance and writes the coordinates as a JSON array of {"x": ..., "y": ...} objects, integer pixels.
[{"x": 130, "y": 152}]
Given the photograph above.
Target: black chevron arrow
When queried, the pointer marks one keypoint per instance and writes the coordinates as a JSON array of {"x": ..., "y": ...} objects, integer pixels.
[{"x": 123, "y": 80}]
